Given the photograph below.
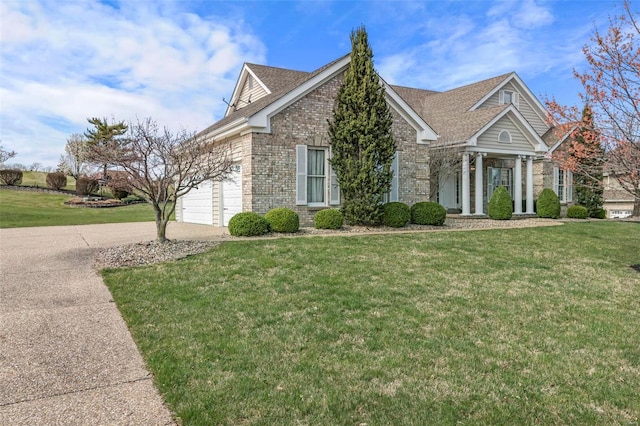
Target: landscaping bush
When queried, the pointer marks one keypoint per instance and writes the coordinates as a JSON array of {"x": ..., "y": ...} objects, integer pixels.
[
  {"x": 282, "y": 219},
  {"x": 500, "y": 204},
  {"x": 396, "y": 214},
  {"x": 599, "y": 214},
  {"x": 129, "y": 199},
  {"x": 577, "y": 212},
  {"x": 428, "y": 213},
  {"x": 328, "y": 219},
  {"x": 56, "y": 180},
  {"x": 11, "y": 176},
  {"x": 548, "y": 204},
  {"x": 86, "y": 186},
  {"x": 248, "y": 224}
]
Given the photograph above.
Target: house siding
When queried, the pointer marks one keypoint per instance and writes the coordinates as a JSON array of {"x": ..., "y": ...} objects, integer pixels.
[
  {"x": 251, "y": 92},
  {"x": 524, "y": 107},
  {"x": 489, "y": 139},
  {"x": 273, "y": 156}
]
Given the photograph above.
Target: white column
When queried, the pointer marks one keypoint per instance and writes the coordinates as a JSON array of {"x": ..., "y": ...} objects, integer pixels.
[
  {"x": 466, "y": 189},
  {"x": 479, "y": 185},
  {"x": 517, "y": 183},
  {"x": 529, "y": 183}
]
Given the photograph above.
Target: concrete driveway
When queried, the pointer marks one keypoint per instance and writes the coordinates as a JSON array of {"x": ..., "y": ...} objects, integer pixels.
[{"x": 66, "y": 356}]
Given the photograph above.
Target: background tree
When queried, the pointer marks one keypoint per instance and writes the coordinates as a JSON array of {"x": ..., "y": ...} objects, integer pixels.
[
  {"x": 360, "y": 136},
  {"x": 161, "y": 166},
  {"x": 445, "y": 161},
  {"x": 611, "y": 85},
  {"x": 6, "y": 155},
  {"x": 74, "y": 161},
  {"x": 589, "y": 157},
  {"x": 105, "y": 143}
]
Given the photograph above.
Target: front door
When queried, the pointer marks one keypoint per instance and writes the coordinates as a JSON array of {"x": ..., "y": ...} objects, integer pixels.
[
  {"x": 499, "y": 177},
  {"x": 449, "y": 191}
]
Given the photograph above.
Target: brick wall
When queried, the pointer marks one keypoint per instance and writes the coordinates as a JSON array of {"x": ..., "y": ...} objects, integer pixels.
[{"x": 271, "y": 176}]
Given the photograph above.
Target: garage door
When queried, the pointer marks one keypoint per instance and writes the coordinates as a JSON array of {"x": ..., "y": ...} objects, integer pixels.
[
  {"x": 232, "y": 195},
  {"x": 197, "y": 204}
]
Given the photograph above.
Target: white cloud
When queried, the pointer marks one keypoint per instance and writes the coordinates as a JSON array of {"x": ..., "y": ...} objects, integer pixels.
[{"x": 65, "y": 61}]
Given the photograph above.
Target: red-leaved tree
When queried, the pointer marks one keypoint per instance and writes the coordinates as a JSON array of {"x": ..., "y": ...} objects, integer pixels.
[{"x": 611, "y": 86}]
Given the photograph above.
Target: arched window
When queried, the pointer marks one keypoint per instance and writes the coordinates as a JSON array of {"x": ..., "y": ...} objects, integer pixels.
[{"x": 504, "y": 136}]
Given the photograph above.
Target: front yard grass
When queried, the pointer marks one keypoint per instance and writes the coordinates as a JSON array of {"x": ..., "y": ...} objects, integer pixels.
[
  {"x": 520, "y": 326},
  {"x": 27, "y": 208}
]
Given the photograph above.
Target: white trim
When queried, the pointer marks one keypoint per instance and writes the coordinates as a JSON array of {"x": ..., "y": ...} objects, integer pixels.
[
  {"x": 500, "y": 136},
  {"x": 564, "y": 138},
  {"x": 425, "y": 133},
  {"x": 244, "y": 73},
  {"x": 261, "y": 120},
  {"x": 394, "y": 193},
  {"x": 531, "y": 135},
  {"x": 536, "y": 106}
]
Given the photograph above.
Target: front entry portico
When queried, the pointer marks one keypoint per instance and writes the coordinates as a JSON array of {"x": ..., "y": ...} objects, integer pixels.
[{"x": 501, "y": 170}]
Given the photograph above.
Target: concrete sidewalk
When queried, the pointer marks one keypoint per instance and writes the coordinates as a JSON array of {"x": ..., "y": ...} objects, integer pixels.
[{"x": 66, "y": 356}]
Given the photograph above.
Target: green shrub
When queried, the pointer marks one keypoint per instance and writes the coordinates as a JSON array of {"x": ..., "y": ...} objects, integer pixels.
[
  {"x": 86, "y": 186},
  {"x": 129, "y": 199},
  {"x": 428, "y": 213},
  {"x": 283, "y": 219},
  {"x": 548, "y": 204},
  {"x": 248, "y": 224},
  {"x": 599, "y": 214},
  {"x": 11, "y": 176},
  {"x": 500, "y": 204},
  {"x": 119, "y": 193},
  {"x": 328, "y": 219},
  {"x": 577, "y": 212},
  {"x": 396, "y": 214},
  {"x": 56, "y": 180}
]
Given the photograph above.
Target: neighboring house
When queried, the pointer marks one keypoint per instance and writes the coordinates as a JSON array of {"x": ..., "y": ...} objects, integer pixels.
[
  {"x": 276, "y": 123},
  {"x": 617, "y": 202}
]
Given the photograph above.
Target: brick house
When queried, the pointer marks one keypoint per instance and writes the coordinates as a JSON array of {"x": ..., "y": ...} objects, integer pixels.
[{"x": 276, "y": 124}]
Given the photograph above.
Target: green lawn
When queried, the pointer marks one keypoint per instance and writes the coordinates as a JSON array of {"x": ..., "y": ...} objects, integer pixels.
[
  {"x": 521, "y": 326},
  {"x": 27, "y": 208}
]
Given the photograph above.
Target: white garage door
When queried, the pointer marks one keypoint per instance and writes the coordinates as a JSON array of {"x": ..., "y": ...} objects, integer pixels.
[
  {"x": 197, "y": 204},
  {"x": 232, "y": 195}
]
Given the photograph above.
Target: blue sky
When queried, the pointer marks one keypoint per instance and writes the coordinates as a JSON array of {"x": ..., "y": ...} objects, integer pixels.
[{"x": 64, "y": 61}]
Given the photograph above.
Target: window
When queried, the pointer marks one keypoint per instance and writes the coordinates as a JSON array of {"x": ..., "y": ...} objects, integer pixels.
[
  {"x": 392, "y": 195},
  {"x": 504, "y": 136},
  {"x": 563, "y": 184},
  {"x": 509, "y": 97},
  {"x": 499, "y": 177},
  {"x": 316, "y": 183},
  {"x": 316, "y": 176}
]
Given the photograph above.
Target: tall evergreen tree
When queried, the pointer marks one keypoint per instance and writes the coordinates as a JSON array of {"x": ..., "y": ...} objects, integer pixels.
[
  {"x": 361, "y": 138},
  {"x": 589, "y": 156}
]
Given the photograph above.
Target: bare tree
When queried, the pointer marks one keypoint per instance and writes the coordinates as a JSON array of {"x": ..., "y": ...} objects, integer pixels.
[
  {"x": 162, "y": 166},
  {"x": 611, "y": 85},
  {"x": 445, "y": 161},
  {"x": 74, "y": 162},
  {"x": 6, "y": 155}
]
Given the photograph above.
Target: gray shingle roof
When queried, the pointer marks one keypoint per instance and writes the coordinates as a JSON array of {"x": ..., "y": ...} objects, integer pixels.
[
  {"x": 448, "y": 112},
  {"x": 280, "y": 81}
]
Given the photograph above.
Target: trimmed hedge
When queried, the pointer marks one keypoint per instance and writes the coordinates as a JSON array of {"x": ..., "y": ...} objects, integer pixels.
[
  {"x": 282, "y": 219},
  {"x": 500, "y": 204},
  {"x": 87, "y": 186},
  {"x": 11, "y": 176},
  {"x": 396, "y": 214},
  {"x": 599, "y": 214},
  {"x": 248, "y": 224},
  {"x": 577, "y": 212},
  {"x": 328, "y": 219},
  {"x": 548, "y": 204},
  {"x": 428, "y": 213},
  {"x": 56, "y": 180}
]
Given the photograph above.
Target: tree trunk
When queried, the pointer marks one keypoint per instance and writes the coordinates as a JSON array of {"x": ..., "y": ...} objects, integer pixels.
[
  {"x": 161, "y": 226},
  {"x": 636, "y": 204}
]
